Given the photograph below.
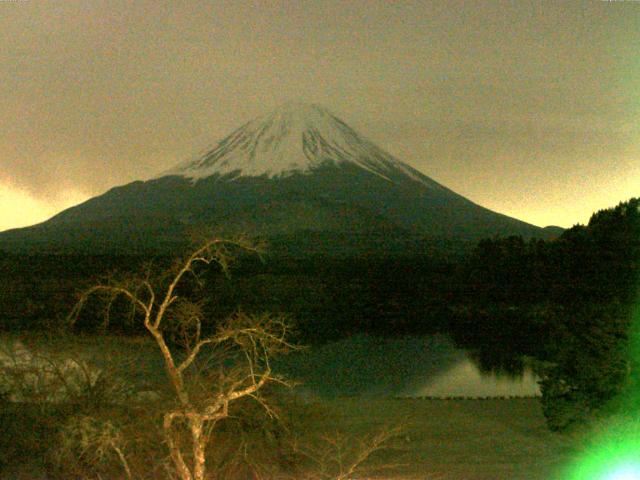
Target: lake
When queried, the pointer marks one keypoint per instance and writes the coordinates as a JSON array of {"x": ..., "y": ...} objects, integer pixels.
[
  {"x": 408, "y": 366},
  {"x": 361, "y": 365}
]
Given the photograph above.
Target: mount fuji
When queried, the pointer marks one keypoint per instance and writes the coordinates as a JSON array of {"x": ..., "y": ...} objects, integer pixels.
[{"x": 298, "y": 176}]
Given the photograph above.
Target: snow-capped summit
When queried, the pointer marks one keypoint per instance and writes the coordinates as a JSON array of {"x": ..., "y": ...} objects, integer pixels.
[{"x": 293, "y": 138}]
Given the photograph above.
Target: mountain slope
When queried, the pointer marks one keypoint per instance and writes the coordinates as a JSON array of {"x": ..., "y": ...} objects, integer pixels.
[{"x": 294, "y": 174}]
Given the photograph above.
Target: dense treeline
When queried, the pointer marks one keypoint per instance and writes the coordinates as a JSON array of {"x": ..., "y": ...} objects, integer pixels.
[
  {"x": 568, "y": 303},
  {"x": 330, "y": 298},
  {"x": 327, "y": 297},
  {"x": 597, "y": 262},
  {"x": 39, "y": 290}
]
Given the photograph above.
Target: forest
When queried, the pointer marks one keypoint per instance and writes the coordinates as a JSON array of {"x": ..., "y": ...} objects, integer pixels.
[{"x": 567, "y": 304}]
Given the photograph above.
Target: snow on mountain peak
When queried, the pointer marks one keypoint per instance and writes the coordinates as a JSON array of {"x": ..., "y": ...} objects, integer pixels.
[{"x": 293, "y": 138}]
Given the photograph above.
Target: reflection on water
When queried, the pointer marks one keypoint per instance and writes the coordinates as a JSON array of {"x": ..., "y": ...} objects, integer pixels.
[
  {"x": 465, "y": 379},
  {"x": 405, "y": 366}
]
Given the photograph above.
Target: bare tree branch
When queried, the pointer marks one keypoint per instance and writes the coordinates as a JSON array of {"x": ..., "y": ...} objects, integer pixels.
[
  {"x": 257, "y": 337},
  {"x": 194, "y": 353}
]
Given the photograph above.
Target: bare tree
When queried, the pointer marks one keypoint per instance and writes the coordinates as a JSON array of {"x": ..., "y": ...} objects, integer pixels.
[
  {"x": 172, "y": 319},
  {"x": 342, "y": 457}
]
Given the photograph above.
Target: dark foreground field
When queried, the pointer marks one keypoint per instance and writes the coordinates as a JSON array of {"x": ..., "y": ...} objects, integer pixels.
[
  {"x": 442, "y": 439},
  {"x": 461, "y": 439}
]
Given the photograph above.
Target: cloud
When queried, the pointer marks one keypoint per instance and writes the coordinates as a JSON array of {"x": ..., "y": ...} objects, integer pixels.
[{"x": 20, "y": 208}]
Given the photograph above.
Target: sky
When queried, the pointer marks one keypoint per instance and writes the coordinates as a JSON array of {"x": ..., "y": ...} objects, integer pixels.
[{"x": 527, "y": 108}]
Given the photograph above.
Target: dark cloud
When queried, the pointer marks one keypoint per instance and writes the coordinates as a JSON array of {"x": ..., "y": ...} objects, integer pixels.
[{"x": 509, "y": 103}]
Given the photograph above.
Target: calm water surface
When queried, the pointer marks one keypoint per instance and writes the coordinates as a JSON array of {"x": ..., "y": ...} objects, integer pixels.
[{"x": 407, "y": 366}]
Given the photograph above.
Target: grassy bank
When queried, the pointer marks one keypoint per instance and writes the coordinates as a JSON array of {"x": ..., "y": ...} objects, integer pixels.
[
  {"x": 442, "y": 439},
  {"x": 460, "y": 439}
]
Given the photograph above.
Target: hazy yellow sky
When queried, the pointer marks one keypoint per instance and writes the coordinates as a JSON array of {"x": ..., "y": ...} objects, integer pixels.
[{"x": 527, "y": 108}]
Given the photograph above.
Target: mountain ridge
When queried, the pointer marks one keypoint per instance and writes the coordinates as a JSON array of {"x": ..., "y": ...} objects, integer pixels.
[{"x": 297, "y": 171}]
